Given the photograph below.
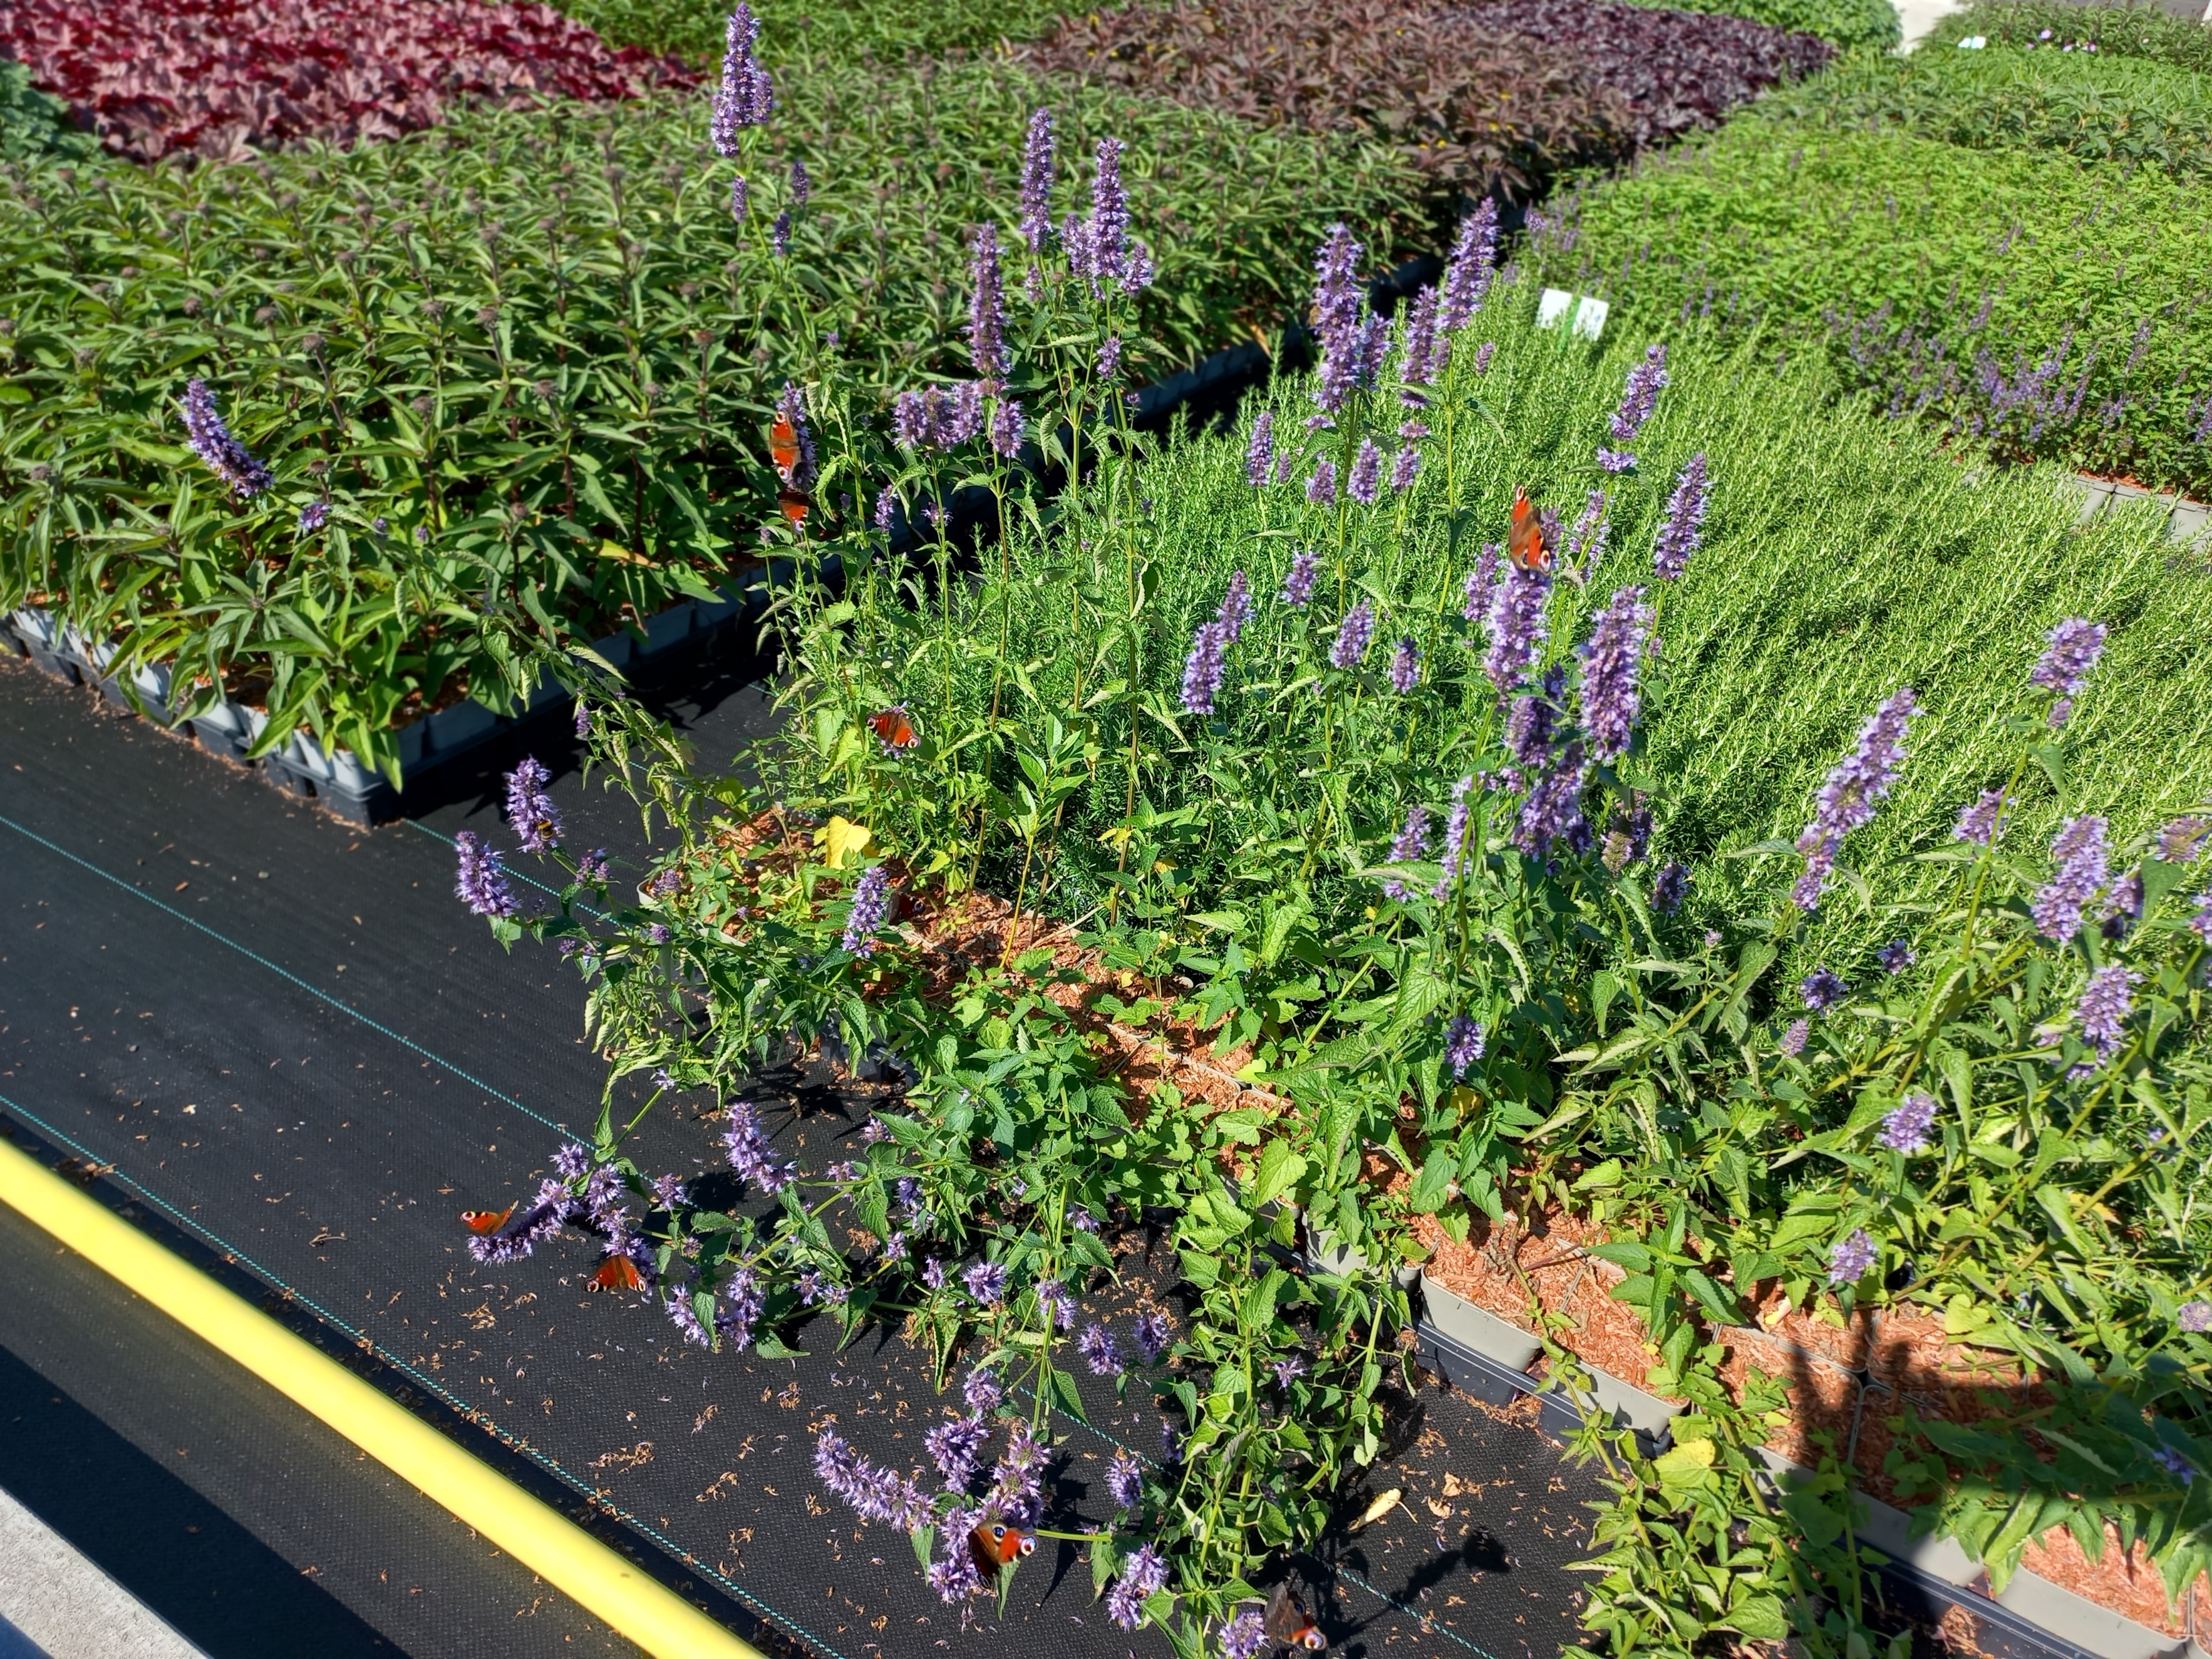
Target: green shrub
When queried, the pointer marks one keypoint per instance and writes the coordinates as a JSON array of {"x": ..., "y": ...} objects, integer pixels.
[
  {"x": 538, "y": 339},
  {"x": 1853, "y": 25},
  {"x": 2028, "y": 303},
  {"x": 2129, "y": 111},
  {"x": 34, "y": 125},
  {"x": 2116, "y": 31}
]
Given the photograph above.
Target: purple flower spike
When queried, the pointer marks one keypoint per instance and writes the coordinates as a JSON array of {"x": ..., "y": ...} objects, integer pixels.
[
  {"x": 1336, "y": 318},
  {"x": 1107, "y": 235},
  {"x": 1516, "y": 624},
  {"x": 1848, "y": 799},
  {"x": 1640, "y": 395},
  {"x": 1481, "y": 583},
  {"x": 1670, "y": 888},
  {"x": 1793, "y": 1040},
  {"x": 1610, "y": 660},
  {"x": 1036, "y": 184},
  {"x": 2083, "y": 868},
  {"x": 1456, "y": 828},
  {"x": 1468, "y": 273},
  {"x": 1236, "y": 605},
  {"x": 1365, "y": 485},
  {"x": 1352, "y": 637},
  {"x": 779, "y": 236},
  {"x": 211, "y": 441},
  {"x": 529, "y": 809},
  {"x": 1405, "y": 668},
  {"x": 986, "y": 1282},
  {"x": 957, "y": 1448},
  {"x": 1298, "y": 585},
  {"x": 1980, "y": 820},
  {"x": 1679, "y": 536},
  {"x": 1321, "y": 489},
  {"x": 1154, "y": 1335},
  {"x": 1008, "y": 428},
  {"x": 1125, "y": 1480},
  {"x": 1423, "y": 358},
  {"x": 746, "y": 1147},
  {"x": 1100, "y": 1351},
  {"x": 1143, "y": 1575},
  {"x": 1906, "y": 1127},
  {"x": 745, "y": 97},
  {"x": 802, "y": 187},
  {"x": 1406, "y": 468},
  {"x": 1412, "y": 843},
  {"x": 1245, "y": 1637},
  {"x": 480, "y": 883},
  {"x": 1851, "y": 1257},
  {"x": 987, "y": 309},
  {"x": 2106, "y": 1003},
  {"x": 1463, "y": 1041},
  {"x": 983, "y": 1392},
  {"x": 1204, "y": 670},
  {"x": 2195, "y": 1317},
  {"x": 741, "y": 198},
  {"x": 2075, "y": 645},
  {"x": 1822, "y": 990},
  {"x": 2180, "y": 840},
  {"x": 1259, "y": 455},
  {"x": 1895, "y": 956},
  {"x": 871, "y": 904}
]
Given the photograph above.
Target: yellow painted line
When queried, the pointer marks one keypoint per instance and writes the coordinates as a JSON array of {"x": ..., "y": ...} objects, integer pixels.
[{"x": 534, "y": 1533}]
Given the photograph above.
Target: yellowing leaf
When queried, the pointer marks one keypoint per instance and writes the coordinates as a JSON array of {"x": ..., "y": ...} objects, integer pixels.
[
  {"x": 841, "y": 838},
  {"x": 1381, "y": 1507},
  {"x": 1684, "y": 1464}
]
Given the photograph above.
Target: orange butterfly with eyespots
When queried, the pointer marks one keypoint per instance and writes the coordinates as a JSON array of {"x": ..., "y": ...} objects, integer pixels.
[
  {"x": 1289, "y": 1625},
  {"x": 783, "y": 447},
  {"x": 1525, "y": 545},
  {"x": 486, "y": 1221},
  {"x": 998, "y": 1546},
  {"x": 893, "y": 728},
  {"x": 617, "y": 1273}
]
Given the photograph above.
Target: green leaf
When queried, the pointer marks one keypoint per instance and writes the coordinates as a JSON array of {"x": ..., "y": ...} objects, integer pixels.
[
  {"x": 1762, "y": 1618},
  {"x": 1280, "y": 1169},
  {"x": 1066, "y": 1397},
  {"x": 1606, "y": 1174}
]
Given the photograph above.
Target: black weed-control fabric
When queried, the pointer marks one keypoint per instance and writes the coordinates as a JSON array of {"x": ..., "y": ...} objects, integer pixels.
[{"x": 304, "y": 1059}]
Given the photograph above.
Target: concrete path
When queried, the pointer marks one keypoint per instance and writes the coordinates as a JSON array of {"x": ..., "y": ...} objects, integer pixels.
[{"x": 54, "y": 1604}]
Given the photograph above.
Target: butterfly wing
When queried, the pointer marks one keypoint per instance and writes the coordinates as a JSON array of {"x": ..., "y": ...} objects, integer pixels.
[
  {"x": 793, "y": 503},
  {"x": 783, "y": 447},
  {"x": 486, "y": 1221},
  {"x": 617, "y": 1273},
  {"x": 1524, "y": 543},
  {"x": 892, "y": 728},
  {"x": 1289, "y": 1625}
]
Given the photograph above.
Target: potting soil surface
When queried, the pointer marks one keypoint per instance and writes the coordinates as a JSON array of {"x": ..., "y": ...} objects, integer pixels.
[{"x": 302, "y": 1058}]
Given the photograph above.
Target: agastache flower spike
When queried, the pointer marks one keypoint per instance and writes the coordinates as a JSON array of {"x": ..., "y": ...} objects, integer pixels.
[
  {"x": 746, "y": 1147},
  {"x": 1205, "y": 669},
  {"x": 1679, "y": 536},
  {"x": 1412, "y": 843},
  {"x": 529, "y": 809},
  {"x": 802, "y": 187},
  {"x": 987, "y": 309},
  {"x": 1422, "y": 358},
  {"x": 211, "y": 441},
  {"x": 1860, "y": 779},
  {"x": 1906, "y": 1127},
  {"x": 1851, "y": 1257},
  {"x": 1462, "y": 1045},
  {"x": 745, "y": 97},
  {"x": 1125, "y": 1480},
  {"x": 1036, "y": 184},
  {"x": 2075, "y": 645},
  {"x": 1259, "y": 456},
  {"x": 1822, "y": 990},
  {"x": 1406, "y": 667},
  {"x": 1336, "y": 307},
  {"x": 1466, "y": 274},
  {"x": 480, "y": 883},
  {"x": 1455, "y": 827},
  {"x": 1979, "y": 820},
  {"x": 1298, "y": 585},
  {"x": 1155, "y": 1336},
  {"x": 1008, "y": 427},
  {"x": 1100, "y": 1351},
  {"x": 1236, "y": 605},
  {"x": 1405, "y": 468},
  {"x": 1143, "y": 1574},
  {"x": 1321, "y": 489},
  {"x": 1793, "y": 1040},
  {"x": 1670, "y": 888},
  {"x": 1365, "y": 484},
  {"x": 1481, "y": 583},
  {"x": 1640, "y": 395},
  {"x": 2105, "y": 1007},
  {"x": 1109, "y": 233},
  {"x": 1353, "y": 635},
  {"x": 1611, "y": 659},
  {"x": 2083, "y": 868},
  {"x": 1516, "y": 621},
  {"x": 871, "y": 904}
]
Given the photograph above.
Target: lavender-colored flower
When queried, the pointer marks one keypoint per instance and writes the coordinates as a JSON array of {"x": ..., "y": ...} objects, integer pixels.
[
  {"x": 983, "y": 1392},
  {"x": 2083, "y": 867},
  {"x": 1482, "y": 356},
  {"x": 572, "y": 1162},
  {"x": 1154, "y": 1336},
  {"x": 1669, "y": 887},
  {"x": 1405, "y": 468},
  {"x": 2195, "y": 1317},
  {"x": 668, "y": 1191},
  {"x": 1847, "y": 801},
  {"x": 1139, "y": 269},
  {"x": 779, "y": 236},
  {"x": 1585, "y": 546},
  {"x": 1455, "y": 828},
  {"x": 1684, "y": 527},
  {"x": 1298, "y": 585},
  {"x": 1405, "y": 668},
  {"x": 745, "y": 97},
  {"x": 2105, "y": 1007},
  {"x": 583, "y": 719},
  {"x": 1639, "y": 396},
  {"x": 746, "y": 1147},
  {"x": 1850, "y": 1258},
  {"x": 1056, "y": 1302},
  {"x": 1354, "y": 634},
  {"x": 1822, "y": 990},
  {"x": 1017, "y": 1483},
  {"x": 877, "y": 1494},
  {"x": 2201, "y": 923},
  {"x": 1412, "y": 843},
  {"x": 1467, "y": 272},
  {"x": 1171, "y": 1443},
  {"x": 741, "y": 198},
  {"x": 986, "y": 308},
  {"x": 529, "y": 809},
  {"x": 1532, "y": 723},
  {"x": 481, "y": 883},
  {"x": 1365, "y": 484},
  {"x": 1036, "y": 182},
  {"x": 1336, "y": 318},
  {"x": 1321, "y": 489},
  {"x": 2075, "y": 645},
  {"x": 1259, "y": 454},
  {"x": 685, "y": 1318},
  {"x": 1895, "y": 956},
  {"x": 871, "y": 904},
  {"x": 1552, "y": 811},
  {"x": 1614, "y": 460},
  {"x": 1421, "y": 358},
  {"x": 1245, "y": 1637},
  {"x": 816, "y": 1286},
  {"x": 1236, "y": 606},
  {"x": 1481, "y": 583},
  {"x": 1204, "y": 670},
  {"x": 954, "y": 1575},
  {"x": 525, "y": 1232},
  {"x": 1100, "y": 1351},
  {"x": 886, "y": 509},
  {"x": 742, "y": 1301},
  {"x": 933, "y": 1275},
  {"x": 211, "y": 441},
  {"x": 986, "y": 1282},
  {"x": 1906, "y": 1130},
  {"x": 956, "y": 1449},
  {"x": 2180, "y": 840},
  {"x": 1516, "y": 623},
  {"x": 657, "y": 934},
  {"x": 1109, "y": 359},
  {"x": 802, "y": 187},
  {"x": 1008, "y": 427},
  {"x": 2171, "y": 1460},
  {"x": 1143, "y": 1575},
  {"x": 1463, "y": 1041},
  {"x": 1125, "y": 1480},
  {"x": 1980, "y": 820},
  {"x": 1106, "y": 235},
  {"x": 1793, "y": 1040},
  {"x": 313, "y": 516},
  {"x": 1611, "y": 659}
]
